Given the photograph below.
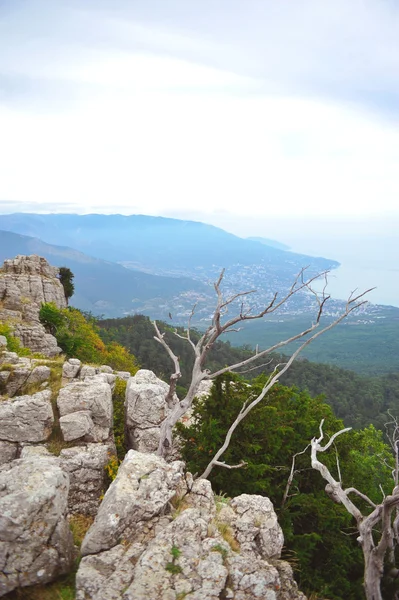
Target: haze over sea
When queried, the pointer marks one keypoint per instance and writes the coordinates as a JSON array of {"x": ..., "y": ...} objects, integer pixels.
[
  {"x": 366, "y": 247},
  {"x": 367, "y": 250}
]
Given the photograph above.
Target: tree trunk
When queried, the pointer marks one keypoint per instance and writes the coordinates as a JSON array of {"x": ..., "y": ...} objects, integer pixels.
[
  {"x": 373, "y": 565},
  {"x": 373, "y": 572}
]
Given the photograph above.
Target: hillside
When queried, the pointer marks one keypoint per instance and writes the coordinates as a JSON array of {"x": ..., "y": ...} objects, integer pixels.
[
  {"x": 366, "y": 343},
  {"x": 358, "y": 400},
  {"x": 104, "y": 287}
]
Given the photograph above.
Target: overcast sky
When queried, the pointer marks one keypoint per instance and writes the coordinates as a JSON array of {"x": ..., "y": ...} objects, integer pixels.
[{"x": 212, "y": 109}]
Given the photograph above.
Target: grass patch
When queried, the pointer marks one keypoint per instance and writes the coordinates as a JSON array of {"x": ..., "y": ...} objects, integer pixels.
[
  {"x": 223, "y": 551},
  {"x": 79, "y": 525},
  {"x": 228, "y": 535},
  {"x": 61, "y": 589},
  {"x": 171, "y": 566},
  {"x": 118, "y": 400}
]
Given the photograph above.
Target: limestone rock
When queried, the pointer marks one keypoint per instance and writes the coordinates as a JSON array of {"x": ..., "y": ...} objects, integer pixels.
[
  {"x": 28, "y": 281},
  {"x": 39, "y": 374},
  {"x": 8, "y": 452},
  {"x": 9, "y": 358},
  {"x": 71, "y": 368},
  {"x": 85, "y": 467},
  {"x": 35, "y": 541},
  {"x": 95, "y": 398},
  {"x": 135, "y": 550},
  {"x": 255, "y": 525},
  {"x": 146, "y": 408},
  {"x": 26, "y": 418},
  {"x": 77, "y": 425},
  {"x": 35, "y": 337},
  {"x": 142, "y": 489},
  {"x": 125, "y": 375},
  {"x": 25, "y": 283},
  {"x": 87, "y": 371},
  {"x": 3, "y": 341}
]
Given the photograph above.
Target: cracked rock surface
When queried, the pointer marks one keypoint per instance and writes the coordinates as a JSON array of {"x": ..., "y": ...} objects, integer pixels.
[
  {"x": 26, "y": 418},
  {"x": 35, "y": 540},
  {"x": 158, "y": 535}
]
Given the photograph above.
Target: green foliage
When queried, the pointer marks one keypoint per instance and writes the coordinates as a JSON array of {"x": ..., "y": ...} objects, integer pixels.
[
  {"x": 175, "y": 552},
  {"x": 316, "y": 530},
  {"x": 111, "y": 468},
  {"x": 357, "y": 399},
  {"x": 118, "y": 398},
  {"x": 13, "y": 343},
  {"x": 137, "y": 335},
  {"x": 66, "y": 276},
  {"x": 219, "y": 548},
  {"x": 52, "y": 317},
  {"x": 78, "y": 337},
  {"x": 172, "y": 567}
]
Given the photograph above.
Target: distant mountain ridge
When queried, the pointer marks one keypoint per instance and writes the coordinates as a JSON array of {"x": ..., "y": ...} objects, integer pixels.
[
  {"x": 156, "y": 243},
  {"x": 104, "y": 287},
  {"x": 172, "y": 248}
]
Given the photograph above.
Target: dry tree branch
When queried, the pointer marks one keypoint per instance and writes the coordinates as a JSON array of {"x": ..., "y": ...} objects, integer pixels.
[
  {"x": 374, "y": 551},
  {"x": 217, "y": 328},
  {"x": 291, "y": 476},
  {"x": 159, "y": 337}
]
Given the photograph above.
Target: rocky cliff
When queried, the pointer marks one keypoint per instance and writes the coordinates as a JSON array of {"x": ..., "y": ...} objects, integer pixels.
[
  {"x": 25, "y": 283},
  {"x": 155, "y": 533}
]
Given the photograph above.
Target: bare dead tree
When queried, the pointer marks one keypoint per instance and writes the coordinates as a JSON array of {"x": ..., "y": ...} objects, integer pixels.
[
  {"x": 217, "y": 328},
  {"x": 381, "y": 522}
]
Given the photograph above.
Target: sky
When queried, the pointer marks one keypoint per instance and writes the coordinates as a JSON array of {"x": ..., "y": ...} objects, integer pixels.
[{"x": 265, "y": 118}]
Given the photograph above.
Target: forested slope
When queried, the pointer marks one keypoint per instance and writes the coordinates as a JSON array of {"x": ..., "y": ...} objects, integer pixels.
[{"x": 357, "y": 399}]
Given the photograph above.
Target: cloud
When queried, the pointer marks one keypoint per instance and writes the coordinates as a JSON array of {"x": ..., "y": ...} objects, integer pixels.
[{"x": 257, "y": 108}]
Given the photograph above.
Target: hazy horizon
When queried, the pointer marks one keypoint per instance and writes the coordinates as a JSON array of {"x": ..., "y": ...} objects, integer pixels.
[{"x": 267, "y": 119}]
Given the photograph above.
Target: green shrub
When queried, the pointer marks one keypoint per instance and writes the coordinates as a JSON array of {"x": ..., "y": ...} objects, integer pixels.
[
  {"x": 13, "y": 343},
  {"x": 118, "y": 398}
]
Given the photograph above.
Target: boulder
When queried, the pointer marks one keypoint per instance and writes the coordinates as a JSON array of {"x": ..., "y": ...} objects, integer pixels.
[
  {"x": 85, "y": 466},
  {"x": 144, "y": 485},
  {"x": 27, "y": 418},
  {"x": 36, "y": 544},
  {"x": 25, "y": 283},
  {"x": 146, "y": 408},
  {"x": 94, "y": 398},
  {"x": 3, "y": 341},
  {"x": 39, "y": 374},
  {"x": 125, "y": 375},
  {"x": 77, "y": 425},
  {"x": 146, "y": 543},
  {"x": 71, "y": 368}
]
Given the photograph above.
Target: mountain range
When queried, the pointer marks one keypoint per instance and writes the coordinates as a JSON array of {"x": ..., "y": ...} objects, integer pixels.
[
  {"x": 161, "y": 267},
  {"x": 129, "y": 264}
]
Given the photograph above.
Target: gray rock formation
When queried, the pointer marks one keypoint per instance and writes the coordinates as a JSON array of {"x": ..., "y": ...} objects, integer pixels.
[
  {"x": 26, "y": 418},
  {"x": 35, "y": 541},
  {"x": 146, "y": 408},
  {"x": 85, "y": 467},
  {"x": 141, "y": 491},
  {"x": 71, "y": 368},
  {"x": 88, "y": 407},
  {"x": 159, "y": 535},
  {"x": 21, "y": 374},
  {"x": 25, "y": 283},
  {"x": 8, "y": 451}
]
